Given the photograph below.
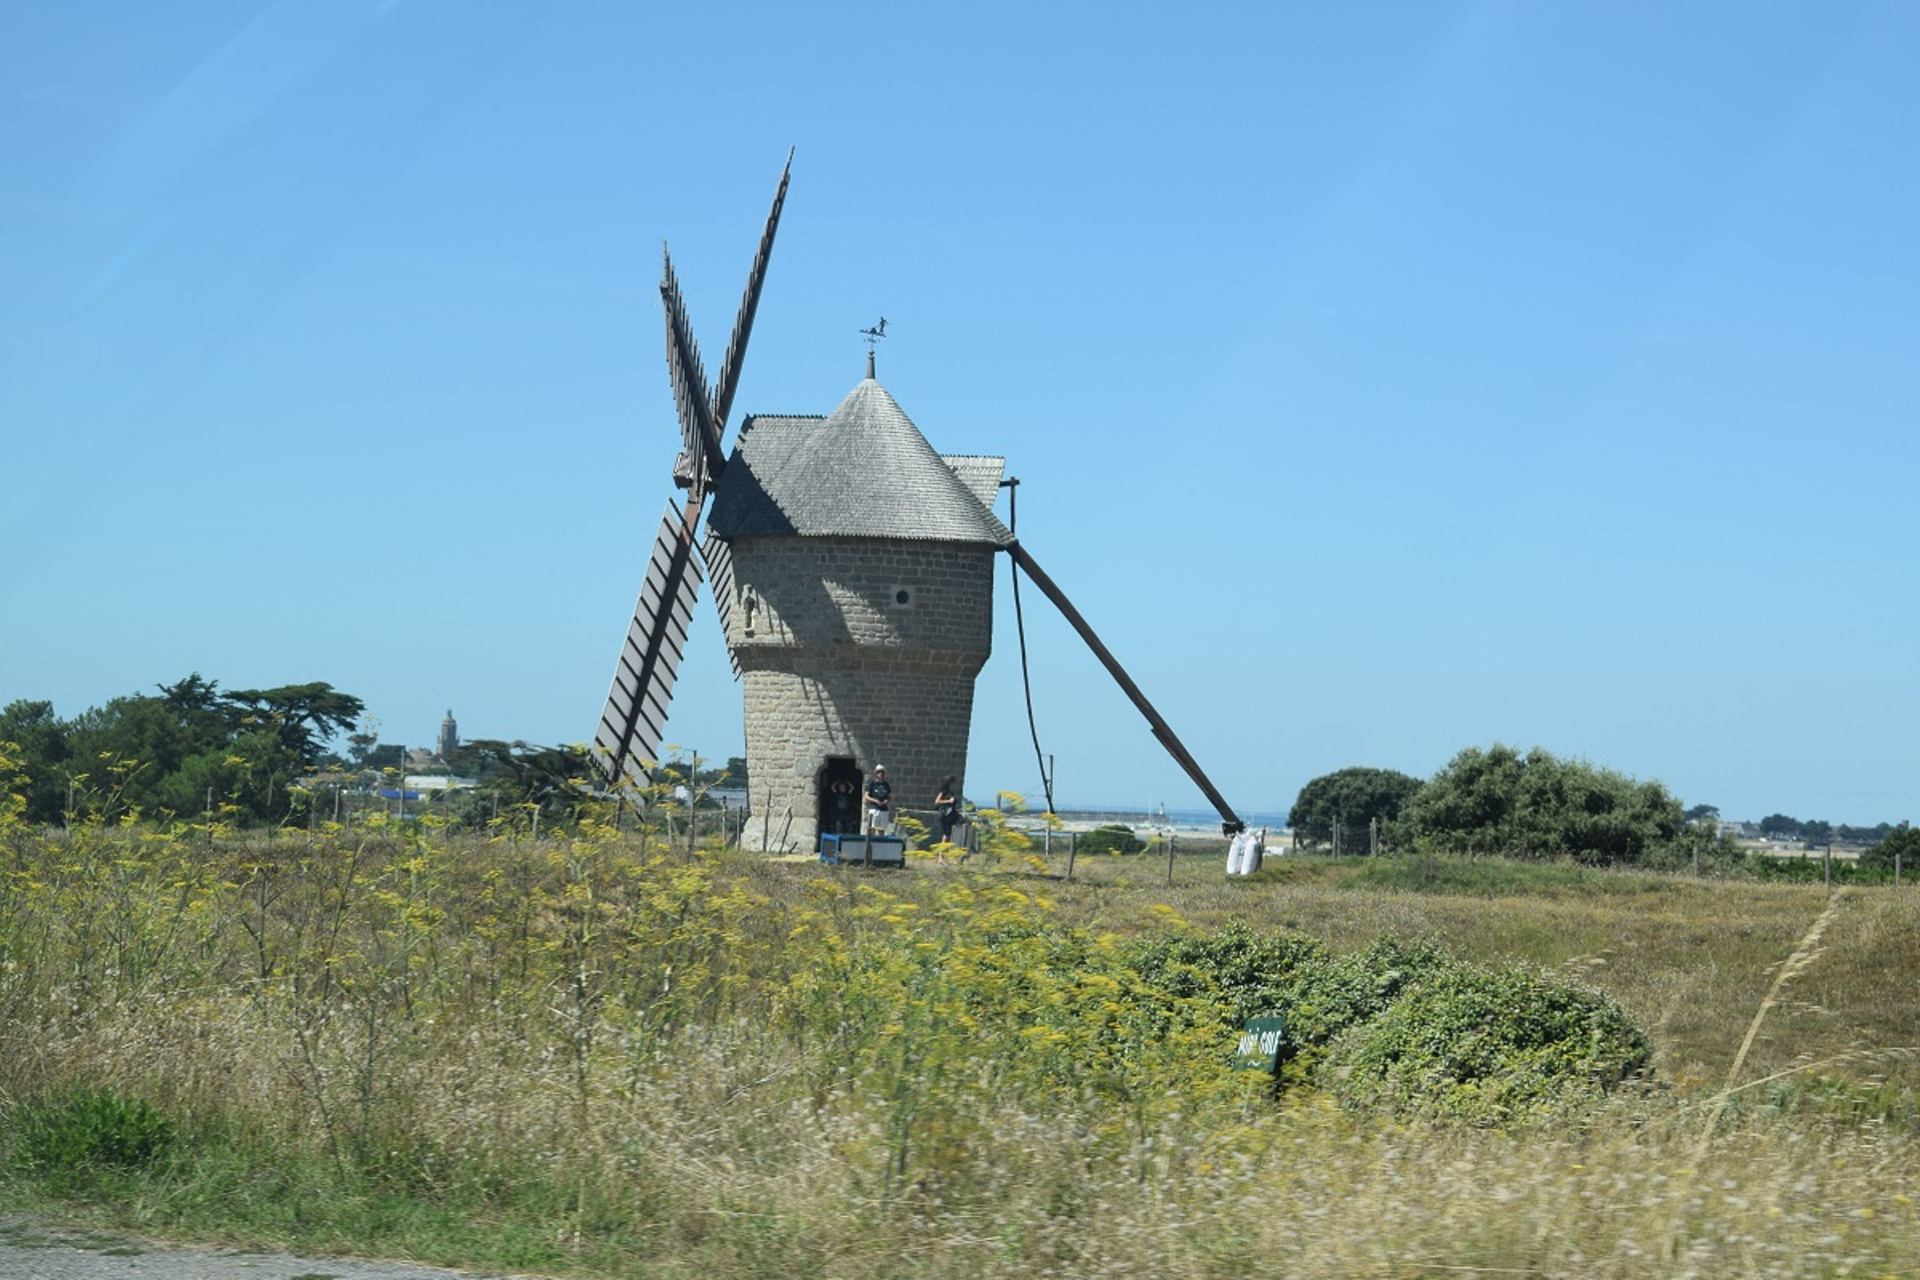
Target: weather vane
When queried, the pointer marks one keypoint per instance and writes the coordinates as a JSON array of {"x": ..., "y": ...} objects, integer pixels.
[{"x": 876, "y": 333}]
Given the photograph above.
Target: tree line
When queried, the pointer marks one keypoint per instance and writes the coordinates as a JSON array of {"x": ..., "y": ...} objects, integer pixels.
[
  {"x": 252, "y": 756},
  {"x": 1813, "y": 833},
  {"x": 1534, "y": 804},
  {"x": 180, "y": 751}
]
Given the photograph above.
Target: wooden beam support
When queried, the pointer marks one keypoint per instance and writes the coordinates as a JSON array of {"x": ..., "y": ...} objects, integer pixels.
[{"x": 1229, "y": 821}]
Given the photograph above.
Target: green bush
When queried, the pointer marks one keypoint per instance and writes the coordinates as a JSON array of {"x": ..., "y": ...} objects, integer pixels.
[
  {"x": 1538, "y": 805},
  {"x": 1485, "y": 1046},
  {"x": 88, "y": 1128},
  {"x": 1113, "y": 838},
  {"x": 1335, "y": 993},
  {"x": 1402, "y": 1026},
  {"x": 1250, "y": 974}
]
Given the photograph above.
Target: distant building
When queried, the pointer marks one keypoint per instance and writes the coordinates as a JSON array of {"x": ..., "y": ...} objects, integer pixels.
[
  {"x": 418, "y": 782},
  {"x": 449, "y": 740}
]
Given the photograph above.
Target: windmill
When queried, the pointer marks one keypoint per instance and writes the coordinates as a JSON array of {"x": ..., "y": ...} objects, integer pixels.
[{"x": 853, "y": 575}]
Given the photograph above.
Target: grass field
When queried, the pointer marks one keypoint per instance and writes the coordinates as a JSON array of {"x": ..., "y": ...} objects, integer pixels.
[{"x": 587, "y": 1055}]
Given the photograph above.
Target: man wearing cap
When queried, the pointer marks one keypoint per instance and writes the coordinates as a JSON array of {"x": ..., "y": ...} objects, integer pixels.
[{"x": 879, "y": 801}]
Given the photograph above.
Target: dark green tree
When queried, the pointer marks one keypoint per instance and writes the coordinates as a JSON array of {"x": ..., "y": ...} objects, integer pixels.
[
  {"x": 167, "y": 752},
  {"x": 304, "y": 716},
  {"x": 1779, "y": 826},
  {"x": 1538, "y": 805},
  {"x": 1354, "y": 797},
  {"x": 1703, "y": 813},
  {"x": 385, "y": 755},
  {"x": 123, "y": 752},
  {"x": 559, "y": 779},
  {"x": 42, "y": 740},
  {"x": 1903, "y": 840},
  {"x": 733, "y": 774}
]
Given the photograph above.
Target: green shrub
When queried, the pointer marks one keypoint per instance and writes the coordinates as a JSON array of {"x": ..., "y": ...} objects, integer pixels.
[
  {"x": 88, "y": 1128},
  {"x": 1485, "y": 1046},
  {"x": 1401, "y": 1025},
  {"x": 1538, "y": 805},
  {"x": 1112, "y": 838},
  {"x": 1249, "y": 973},
  {"x": 1335, "y": 993}
]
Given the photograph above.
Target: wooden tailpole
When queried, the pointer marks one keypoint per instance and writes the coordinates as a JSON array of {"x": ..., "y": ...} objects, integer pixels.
[{"x": 1230, "y": 822}]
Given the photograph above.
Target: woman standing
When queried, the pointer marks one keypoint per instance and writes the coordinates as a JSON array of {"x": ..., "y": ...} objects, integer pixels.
[{"x": 946, "y": 807}]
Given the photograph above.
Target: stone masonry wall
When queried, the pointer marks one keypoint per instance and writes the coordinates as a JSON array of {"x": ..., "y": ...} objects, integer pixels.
[{"x": 834, "y": 663}]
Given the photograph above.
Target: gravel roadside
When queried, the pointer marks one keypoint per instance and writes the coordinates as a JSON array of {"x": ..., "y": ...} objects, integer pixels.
[{"x": 32, "y": 1250}]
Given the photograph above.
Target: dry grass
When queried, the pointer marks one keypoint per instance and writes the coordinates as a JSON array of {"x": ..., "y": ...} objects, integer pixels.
[{"x": 581, "y": 1057}]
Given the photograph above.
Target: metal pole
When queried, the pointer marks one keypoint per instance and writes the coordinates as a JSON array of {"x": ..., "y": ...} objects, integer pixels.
[
  {"x": 1169, "y": 839},
  {"x": 1073, "y": 846},
  {"x": 1826, "y": 865}
]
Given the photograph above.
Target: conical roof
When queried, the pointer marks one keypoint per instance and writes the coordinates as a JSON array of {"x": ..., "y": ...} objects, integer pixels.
[{"x": 863, "y": 471}]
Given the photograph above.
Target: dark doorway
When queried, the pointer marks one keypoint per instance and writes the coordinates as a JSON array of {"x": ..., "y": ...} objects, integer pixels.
[{"x": 839, "y": 797}]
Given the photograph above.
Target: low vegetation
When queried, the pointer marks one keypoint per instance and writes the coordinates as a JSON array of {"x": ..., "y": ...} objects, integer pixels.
[{"x": 593, "y": 1054}]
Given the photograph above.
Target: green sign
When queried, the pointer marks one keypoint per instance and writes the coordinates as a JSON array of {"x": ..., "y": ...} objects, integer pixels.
[{"x": 1259, "y": 1047}]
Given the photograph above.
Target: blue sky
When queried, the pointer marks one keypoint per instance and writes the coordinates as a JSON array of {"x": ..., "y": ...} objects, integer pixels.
[{"x": 1382, "y": 379}]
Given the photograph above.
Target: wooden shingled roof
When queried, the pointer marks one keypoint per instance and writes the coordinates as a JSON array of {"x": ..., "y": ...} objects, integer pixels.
[{"x": 863, "y": 471}]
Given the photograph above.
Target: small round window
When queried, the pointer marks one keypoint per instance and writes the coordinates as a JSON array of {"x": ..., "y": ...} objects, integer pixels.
[{"x": 902, "y": 596}]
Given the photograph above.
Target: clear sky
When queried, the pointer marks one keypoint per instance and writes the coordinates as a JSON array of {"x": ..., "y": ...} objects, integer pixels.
[{"x": 1383, "y": 379}]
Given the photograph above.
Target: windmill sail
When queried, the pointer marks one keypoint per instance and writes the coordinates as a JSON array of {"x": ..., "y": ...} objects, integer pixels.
[
  {"x": 749, "y": 304},
  {"x": 719, "y": 557},
  {"x": 633, "y": 723},
  {"x": 700, "y": 457},
  {"x": 635, "y": 717}
]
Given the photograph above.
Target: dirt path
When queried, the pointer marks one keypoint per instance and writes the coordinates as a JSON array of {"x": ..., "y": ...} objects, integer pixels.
[{"x": 34, "y": 1251}]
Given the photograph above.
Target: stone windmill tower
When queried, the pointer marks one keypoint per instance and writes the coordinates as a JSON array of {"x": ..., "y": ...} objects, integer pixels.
[
  {"x": 853, "y": 572},
  {"x": 858, "y": 609}
]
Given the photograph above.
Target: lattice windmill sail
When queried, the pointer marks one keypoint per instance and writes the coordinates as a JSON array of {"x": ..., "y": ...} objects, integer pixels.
[
  {"x": 635, "y": 717},
  {"x": 853, "y": 573}
]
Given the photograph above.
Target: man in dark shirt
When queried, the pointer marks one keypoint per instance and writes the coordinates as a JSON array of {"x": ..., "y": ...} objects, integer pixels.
[{"x": 879, "y": 801}]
